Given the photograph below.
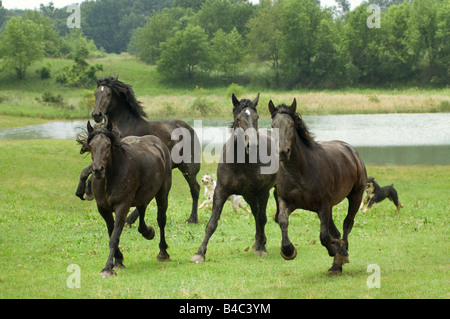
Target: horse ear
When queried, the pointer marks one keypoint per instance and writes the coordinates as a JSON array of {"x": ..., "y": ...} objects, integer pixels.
[
  {"x": 235, "y": 100},
  {"x": 255, "y": 101},
  {"x": 271, "y": 107},
  {"x": 293, "y": 106},
  {"x": 89, "y": 127}
]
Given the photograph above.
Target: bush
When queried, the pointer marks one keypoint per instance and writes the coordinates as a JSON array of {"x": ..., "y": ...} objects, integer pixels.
[{"x": 44, "y": 72}]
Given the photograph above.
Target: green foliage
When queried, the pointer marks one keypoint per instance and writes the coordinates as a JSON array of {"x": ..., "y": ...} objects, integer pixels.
[
  {"x": 80, "y": 74},
  {"x": 227, "y": 51},
  {"x": 183, "y": 53},
  {"x": 50, "y": 98},
  {"x": 22, "y": 44},
  {"x": 45, "y": 71}
]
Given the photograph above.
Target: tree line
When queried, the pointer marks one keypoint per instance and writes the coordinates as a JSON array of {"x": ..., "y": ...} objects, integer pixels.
[{"x": 276, "y": 43}]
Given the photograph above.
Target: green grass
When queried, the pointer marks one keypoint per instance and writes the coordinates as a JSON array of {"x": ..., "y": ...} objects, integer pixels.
[
  {"x": 210, "y": 99},
  {"x": 44, "y": 228}
]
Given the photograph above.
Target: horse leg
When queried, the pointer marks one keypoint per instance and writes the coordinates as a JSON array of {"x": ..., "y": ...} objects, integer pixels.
[
  {"x": 288, "y": 250},
  {"x": 131, "y": 219},
  {"x": 82, "y": 183},
  {"x": 190, "y": 175},
  {"x": 146, "y": 231},
  {"x": 162, "y": 203},
  {"x": 219, "y": 200},
  {"x": 114, "y": 231},
  {"x": 275, "y": 195},
  {"x": 259, "y": 212}
]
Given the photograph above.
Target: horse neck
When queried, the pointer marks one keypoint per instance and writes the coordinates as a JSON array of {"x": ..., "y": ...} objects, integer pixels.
[
  {"x": 117, "y": 164},
  {"x": 300, "y": 155},
  {"x": 120, "y": 113}
]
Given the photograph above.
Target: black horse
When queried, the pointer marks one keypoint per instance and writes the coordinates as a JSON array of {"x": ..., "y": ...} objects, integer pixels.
[
  {"x": 240, "y": 171},
  {"x": 116, "y": 100},
  {"x": 315, "y": 176},
  {"x": 128, "y": 172}
]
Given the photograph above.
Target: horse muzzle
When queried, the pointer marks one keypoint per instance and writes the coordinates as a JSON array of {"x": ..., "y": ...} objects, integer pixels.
[
  {"x": 97, "y": 116},
  {"x": 99, "y": 172}
]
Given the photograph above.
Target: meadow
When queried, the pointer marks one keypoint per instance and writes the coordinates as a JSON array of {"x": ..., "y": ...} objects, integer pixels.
[
  {"x": 44, "y": 228},
  {"x": 210, "y": 98}
]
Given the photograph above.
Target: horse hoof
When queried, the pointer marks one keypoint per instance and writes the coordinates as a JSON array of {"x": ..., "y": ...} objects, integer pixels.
[
  {"x": 163, "y": 257},
  {"x": 292, "y": 256},
  {"x": 260, "y": 253},
  {"x": 119, "y": 266},
  {"x": 107, "y": 273},
  {"x": 192, "y": 220},
  {"x": 335, "y": 271},
  {"x": 89, "y": 197},
  {"x": 197, "y": 259},
  {"x": 150, "y": 233}
]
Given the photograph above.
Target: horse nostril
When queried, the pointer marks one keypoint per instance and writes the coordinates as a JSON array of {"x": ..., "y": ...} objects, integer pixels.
[{"x": 97, "y": 116}]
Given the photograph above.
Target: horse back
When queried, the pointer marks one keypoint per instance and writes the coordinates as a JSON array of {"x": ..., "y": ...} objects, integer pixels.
[
  {"x": 145, "y": 168},
  {"x": 346, "y": 167}
]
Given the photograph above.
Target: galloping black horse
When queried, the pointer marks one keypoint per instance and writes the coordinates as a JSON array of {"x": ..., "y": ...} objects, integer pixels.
[
  {"x": 240, "y": 172},
  {"x": 116, "y": 100},
  {"x": 315, "y": 176},
  {"x": 128, "y": 172}
]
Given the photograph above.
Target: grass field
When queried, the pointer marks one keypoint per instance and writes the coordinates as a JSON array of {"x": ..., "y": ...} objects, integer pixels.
[
  {"x": 44, "y": 228},
  {"x": 20, "y": 98}
]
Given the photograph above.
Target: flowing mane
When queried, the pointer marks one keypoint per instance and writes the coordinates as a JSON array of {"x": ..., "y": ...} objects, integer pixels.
[
  {"x": 300, "y": 126},
  {"x": 126, "y": 92}
]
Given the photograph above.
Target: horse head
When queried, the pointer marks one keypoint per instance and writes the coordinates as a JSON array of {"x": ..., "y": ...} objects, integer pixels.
[
  {"x": 103, "y": 96},
  {"x": 99, "y": 143},
  {"x": 245, "y": 121},
  {"x": 284, "y": 122}
]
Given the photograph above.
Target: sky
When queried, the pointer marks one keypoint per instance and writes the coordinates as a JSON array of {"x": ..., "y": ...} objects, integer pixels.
[{"x": 34, "y": 4}]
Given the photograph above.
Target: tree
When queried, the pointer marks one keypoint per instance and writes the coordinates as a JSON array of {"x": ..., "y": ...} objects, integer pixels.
[
  {"x": 22, "y": 44},
  {"x": 428, "y": 37},
  {"x": 51, "y": 38},
  {"x": 146, "y": 41},
  {"x": 225, "y": 15},
  {"x": 300, "y": 21},
  {"x": 264, "y": 36},
  {"x": 183, "y": 53},
  {"x": 227, "y": 51}
]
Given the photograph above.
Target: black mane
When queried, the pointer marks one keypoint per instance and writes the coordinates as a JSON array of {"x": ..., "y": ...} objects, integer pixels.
[
  {"x": 84, "y": 137},
  {"x": 126, "y": 92},
  {"x": 300, "y": 126}
]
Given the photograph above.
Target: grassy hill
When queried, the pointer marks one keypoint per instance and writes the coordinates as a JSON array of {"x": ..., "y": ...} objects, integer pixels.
[{"x": 165, "y": 100}]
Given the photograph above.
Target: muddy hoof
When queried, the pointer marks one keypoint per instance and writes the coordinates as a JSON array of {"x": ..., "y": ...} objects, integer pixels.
[
  {"x": 197, "y": 259},
  {"x": 292, "y": 256},
  {"x": 107, "y": 273}
]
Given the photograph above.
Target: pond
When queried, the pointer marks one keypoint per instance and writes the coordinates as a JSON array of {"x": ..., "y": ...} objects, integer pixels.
[{"x": 405, "y": 139}]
